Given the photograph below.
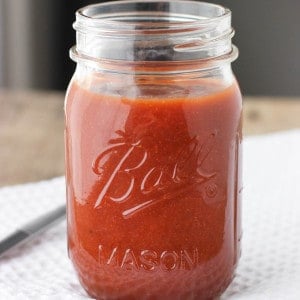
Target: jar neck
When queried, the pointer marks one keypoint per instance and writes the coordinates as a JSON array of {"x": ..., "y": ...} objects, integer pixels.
[
  {"x": 132, "y": 85},
  {"x": 222, "y": 76},
  {"x": 147, "y": 36}
]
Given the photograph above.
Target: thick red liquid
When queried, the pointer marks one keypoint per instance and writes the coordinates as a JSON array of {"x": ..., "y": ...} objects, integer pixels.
[{"x": 153, "y": 192}]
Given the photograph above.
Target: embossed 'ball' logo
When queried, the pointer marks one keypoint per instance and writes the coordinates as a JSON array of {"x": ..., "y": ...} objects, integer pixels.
[{"x": 129, "y": 162}]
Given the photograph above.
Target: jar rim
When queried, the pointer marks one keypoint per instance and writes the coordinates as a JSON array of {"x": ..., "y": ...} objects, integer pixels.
[
  {"x": 128, "y": 17},
  {"x": 154, "y": 30}
]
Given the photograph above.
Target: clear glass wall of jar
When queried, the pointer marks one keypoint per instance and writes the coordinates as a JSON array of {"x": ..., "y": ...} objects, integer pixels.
[{"x": 153, "y": 150}]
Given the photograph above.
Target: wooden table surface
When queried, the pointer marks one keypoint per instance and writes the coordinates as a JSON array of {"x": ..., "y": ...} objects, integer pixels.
[{"x": 31, "y": 130}]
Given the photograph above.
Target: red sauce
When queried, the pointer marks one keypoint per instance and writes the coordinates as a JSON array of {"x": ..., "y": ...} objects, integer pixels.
[{"x": 153, "y": 188}]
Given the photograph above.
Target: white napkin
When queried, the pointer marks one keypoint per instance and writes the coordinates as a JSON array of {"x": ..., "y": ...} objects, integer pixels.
[{"x": 270, "y": 263}]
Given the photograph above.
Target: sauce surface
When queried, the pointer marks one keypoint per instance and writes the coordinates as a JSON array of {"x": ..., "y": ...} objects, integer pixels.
[{"x": 153, "y": 187}]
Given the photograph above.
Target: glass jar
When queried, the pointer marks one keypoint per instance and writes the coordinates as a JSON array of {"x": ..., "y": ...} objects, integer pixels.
[{"x": 153, "y": 150}]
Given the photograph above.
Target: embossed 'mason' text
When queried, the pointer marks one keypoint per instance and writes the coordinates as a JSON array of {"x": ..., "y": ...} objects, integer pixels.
[{"x": 149, "y": 260}]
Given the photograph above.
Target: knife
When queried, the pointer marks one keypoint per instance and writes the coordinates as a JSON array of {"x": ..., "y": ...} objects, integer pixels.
[{"x": 31, "y": 229}]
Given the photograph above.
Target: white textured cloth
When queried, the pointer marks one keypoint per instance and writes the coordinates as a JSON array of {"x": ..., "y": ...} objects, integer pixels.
[{"x": 270, "y": 263}]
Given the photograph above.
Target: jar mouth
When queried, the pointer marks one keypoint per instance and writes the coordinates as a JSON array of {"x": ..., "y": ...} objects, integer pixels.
[
  {"x": 140, "y": 17},
  {"x": 154, "y": 30}
]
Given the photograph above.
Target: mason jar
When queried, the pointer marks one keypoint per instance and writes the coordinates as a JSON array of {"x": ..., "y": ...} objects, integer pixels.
[{"x": 153, "y": 150}]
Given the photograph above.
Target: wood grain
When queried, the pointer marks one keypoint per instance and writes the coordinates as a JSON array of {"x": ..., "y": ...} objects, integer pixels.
[{"x": 31, "y": 130}]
